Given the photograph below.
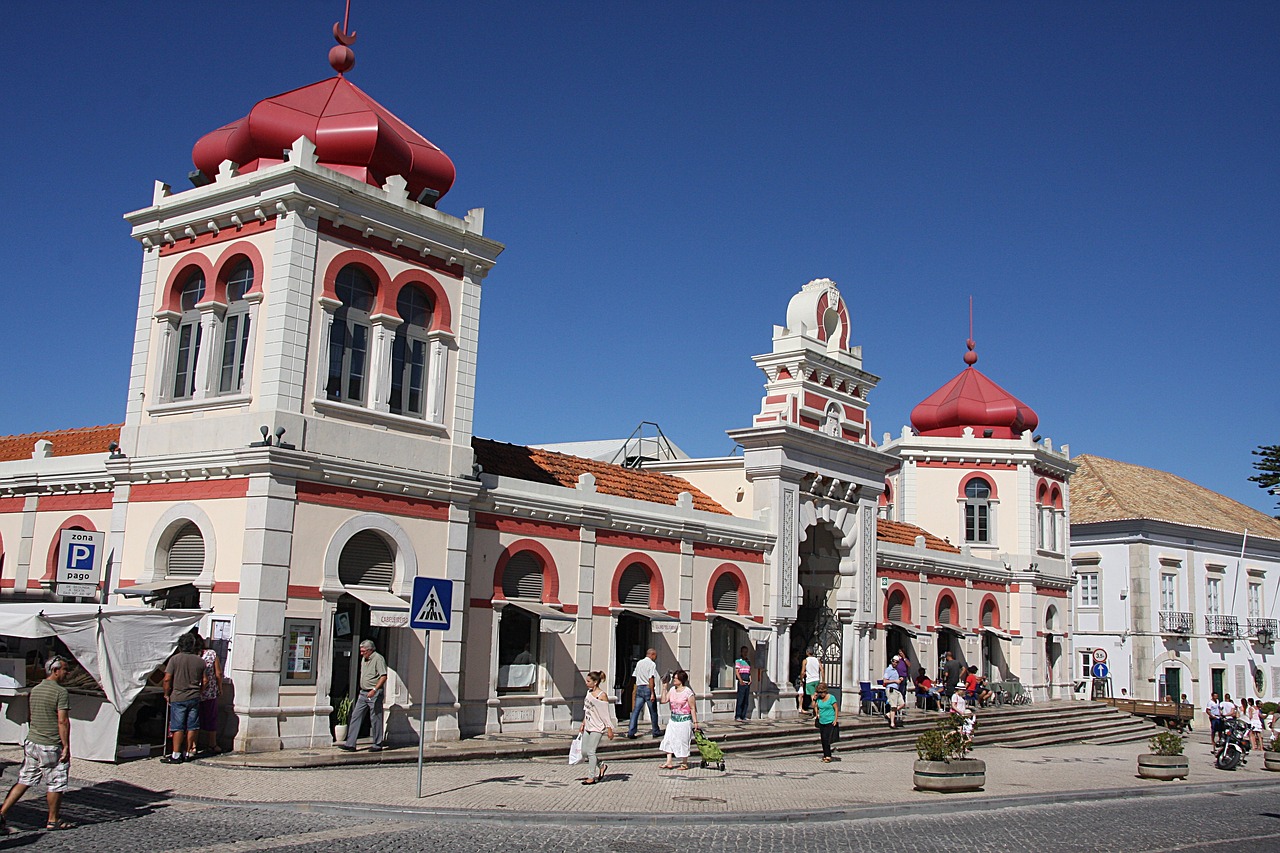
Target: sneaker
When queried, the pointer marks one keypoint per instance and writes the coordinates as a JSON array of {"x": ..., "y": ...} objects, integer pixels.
[{"x": 171, "y": 759}]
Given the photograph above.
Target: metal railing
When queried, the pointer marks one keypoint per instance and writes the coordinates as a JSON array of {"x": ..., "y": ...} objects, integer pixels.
[
  {"x": 1176, "y": 622},
  {"x": 1258, "y": 626},
  {"x": 1222, "y": 626}
]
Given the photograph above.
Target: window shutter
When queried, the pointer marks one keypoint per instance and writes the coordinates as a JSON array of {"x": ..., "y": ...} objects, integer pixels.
[
  {"x": 633, "y": 586},
  {"x": 366, "y": 561},
  {"x": 895, "y": 607},
  {"x": 186, "y": 553},
  {"x": 725, "y": 594},
  {"x": 522, "y": 577},
  {"x": 944, "y": 614},
  {"x": 988, "y": 617}
]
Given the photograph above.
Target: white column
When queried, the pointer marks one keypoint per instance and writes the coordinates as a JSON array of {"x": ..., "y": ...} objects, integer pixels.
[
  {"x": 328, "y": 308},
  {"x": 437, "y": 377},
  {"x": 381, "y": 335},
  {"x": 209, "y": 341},
  {"x": 255, "y": 302}
]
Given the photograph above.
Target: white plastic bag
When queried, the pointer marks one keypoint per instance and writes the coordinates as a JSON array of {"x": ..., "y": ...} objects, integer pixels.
[{"x": 575, "y": 750}]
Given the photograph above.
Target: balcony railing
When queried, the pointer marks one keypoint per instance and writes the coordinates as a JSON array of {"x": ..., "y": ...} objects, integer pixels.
[
  {"x": 1175, "y": 622},
  {"x": 1258, "y": 626},
  {"x": 1222, "y": 626}
]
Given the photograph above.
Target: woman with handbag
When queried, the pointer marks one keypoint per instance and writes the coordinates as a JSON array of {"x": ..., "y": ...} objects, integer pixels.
[
  {"x": 597, "y": 722},
  {"x": 827, "y": 713}
]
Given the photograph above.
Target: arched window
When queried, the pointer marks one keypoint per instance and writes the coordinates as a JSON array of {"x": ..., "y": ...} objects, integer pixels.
[
  {"x": 977, "y": 511},
  {"x": 185, "y": 558},
  {"x": 409, "y": 353},
  {"x": 947, "y": 610},
  {"x": 831, "y": 426},
  {"x": 896, "y": 609},
  {"x": 634, "y": 587},
  {"x": 366, "y": 560},
  {"x": 522, "y": 577},
  {"x": 235, "y": 328},
  {"x": 989, "y": 615},
  {"x": 187, "y": 351},
  {"x": 724, "y": 595},
  {"x": 349, "y": 337}
]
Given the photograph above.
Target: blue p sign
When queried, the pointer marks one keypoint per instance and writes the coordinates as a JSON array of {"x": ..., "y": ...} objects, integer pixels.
[{"x": 80, "y": 557}]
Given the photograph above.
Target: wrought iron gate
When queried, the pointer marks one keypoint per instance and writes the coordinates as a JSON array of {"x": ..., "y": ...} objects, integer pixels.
[{"x": 826, "y": 636}]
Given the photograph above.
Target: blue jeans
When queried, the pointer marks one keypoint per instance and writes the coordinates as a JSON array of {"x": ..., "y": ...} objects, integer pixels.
[
  {"x": 644, "y": 698},
  {"x": 744, "y": 701},
  {"x": 366, "y": 707}
]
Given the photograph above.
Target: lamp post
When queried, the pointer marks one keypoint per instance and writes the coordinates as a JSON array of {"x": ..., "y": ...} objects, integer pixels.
[{"x": 1264, "y": 635}]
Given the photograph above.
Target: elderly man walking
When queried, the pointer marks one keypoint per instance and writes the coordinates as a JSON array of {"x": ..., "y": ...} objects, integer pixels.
[
  {"x": 373, "y": 681},
  {"x": 645, "y": 693},
  {"x": 47, "y": 749}
]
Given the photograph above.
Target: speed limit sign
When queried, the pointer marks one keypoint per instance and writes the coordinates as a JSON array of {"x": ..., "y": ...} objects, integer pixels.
[{"x": 1099, "y": 655}]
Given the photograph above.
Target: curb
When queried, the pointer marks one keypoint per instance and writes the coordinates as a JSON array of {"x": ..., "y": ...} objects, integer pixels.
[{"x": 931, "y": 807}]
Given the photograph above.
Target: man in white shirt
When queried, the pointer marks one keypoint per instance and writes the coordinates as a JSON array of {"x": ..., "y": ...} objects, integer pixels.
[
  {"x": 812, "y": 675},
  {"x": 1214, "y": 711},
  {"x": 645, "y": 692},
  {"x": 893, "y": 693}
]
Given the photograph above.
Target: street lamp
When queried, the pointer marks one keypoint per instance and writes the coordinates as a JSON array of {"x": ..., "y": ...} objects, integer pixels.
[{"x": 1265, "y": 636}]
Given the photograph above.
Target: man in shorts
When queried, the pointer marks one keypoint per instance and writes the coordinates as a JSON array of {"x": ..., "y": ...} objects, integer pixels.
[
  {"x": 894, "y": 701},
  {"x": 184, "y": 679},
  {"x": 47, "y": 749}
]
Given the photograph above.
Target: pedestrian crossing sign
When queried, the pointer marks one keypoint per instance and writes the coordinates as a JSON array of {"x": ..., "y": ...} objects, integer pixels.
[{"x": 432, "y": 605}]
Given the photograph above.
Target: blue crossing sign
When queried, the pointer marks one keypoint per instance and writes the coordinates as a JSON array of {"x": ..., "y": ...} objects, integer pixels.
[
  {"x": 431, "y": 607},
  {"x": 1100, "y": 670}
]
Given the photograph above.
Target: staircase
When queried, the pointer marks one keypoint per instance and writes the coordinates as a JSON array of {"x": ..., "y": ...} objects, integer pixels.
[{"x": 1021, "y": 726}]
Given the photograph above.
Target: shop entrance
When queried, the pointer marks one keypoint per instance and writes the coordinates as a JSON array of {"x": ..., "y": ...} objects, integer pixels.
[
  {"x": 949, "y": 641},
  {"x": 350, "y": 627},
  {"x": 631, "y": 639},
  {"x": 817, "y": 628}
]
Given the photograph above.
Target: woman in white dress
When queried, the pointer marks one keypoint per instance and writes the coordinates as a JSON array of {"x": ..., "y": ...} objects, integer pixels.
[{"x": 684, "y": 716}]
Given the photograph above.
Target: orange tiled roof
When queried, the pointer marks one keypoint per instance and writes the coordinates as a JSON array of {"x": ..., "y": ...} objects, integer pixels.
[
  {"x": 1107, "y": 490},
  {"x": 66, "y": 442},
  {"x": 561, "y": 469},
  {"x": 901, "y": 533}
]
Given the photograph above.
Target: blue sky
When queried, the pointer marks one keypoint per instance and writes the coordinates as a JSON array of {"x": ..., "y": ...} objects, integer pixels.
[{"x": 1102, "y": 178}]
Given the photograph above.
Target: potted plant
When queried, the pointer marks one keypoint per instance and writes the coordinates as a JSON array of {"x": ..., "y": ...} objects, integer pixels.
[
  {"x": 1271, "y": 755},
  {"x": 941, "y": 762},
  {"x": 1165, "y": 761},
  {"x": 341, "y": 718}
]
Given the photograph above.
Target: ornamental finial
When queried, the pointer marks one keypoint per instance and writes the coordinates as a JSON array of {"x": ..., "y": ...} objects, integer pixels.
[{"x": 341, "y": 57}]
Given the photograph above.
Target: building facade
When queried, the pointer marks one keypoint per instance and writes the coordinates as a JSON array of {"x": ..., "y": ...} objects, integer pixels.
[{"x": 1176, "y": 583}]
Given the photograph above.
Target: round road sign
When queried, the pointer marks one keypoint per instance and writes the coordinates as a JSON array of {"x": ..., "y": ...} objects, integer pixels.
[
  {"x": 1100, "y": 656},
  {"x": 1100, "y": 670}
]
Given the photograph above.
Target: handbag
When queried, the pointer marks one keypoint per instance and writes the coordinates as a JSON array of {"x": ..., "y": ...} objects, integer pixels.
[{"x": 575, "y": 750}]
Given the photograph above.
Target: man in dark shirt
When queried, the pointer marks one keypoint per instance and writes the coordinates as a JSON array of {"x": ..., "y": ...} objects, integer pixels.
[
  {"x": 951, "y": 670},
  {"x": 184, "y": 678}
]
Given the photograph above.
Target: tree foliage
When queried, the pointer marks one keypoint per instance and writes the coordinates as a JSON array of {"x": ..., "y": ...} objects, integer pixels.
[{"x": 1268, "y": 464}]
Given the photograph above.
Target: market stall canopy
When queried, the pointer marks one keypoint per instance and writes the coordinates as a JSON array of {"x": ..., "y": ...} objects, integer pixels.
[
  {"x": 118, "y": 646},
  {"x": 996, "y": 632},
  {"x": 659, "y": 622},
  {"x": 550, "y": 620}
]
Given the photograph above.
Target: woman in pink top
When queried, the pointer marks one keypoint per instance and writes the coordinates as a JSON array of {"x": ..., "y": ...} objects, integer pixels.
[
  {"x": 597, "y": 721},
  {"x": 683, "y": 718}
]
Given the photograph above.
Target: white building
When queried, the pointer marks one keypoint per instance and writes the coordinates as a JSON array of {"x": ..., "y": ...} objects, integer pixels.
[{"x": 1170, "y": 586}]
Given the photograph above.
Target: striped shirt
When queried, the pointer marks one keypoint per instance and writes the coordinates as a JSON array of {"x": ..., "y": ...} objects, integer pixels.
[{"x": 46, "y": 700}]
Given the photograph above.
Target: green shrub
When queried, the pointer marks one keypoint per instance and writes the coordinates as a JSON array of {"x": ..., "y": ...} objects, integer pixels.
[
  {"x": 1166, "y": 743},
  {"x": 1269, "y": 707},
  {"x": 944, "y": 742},
  {"x": 932, "y": 746}
]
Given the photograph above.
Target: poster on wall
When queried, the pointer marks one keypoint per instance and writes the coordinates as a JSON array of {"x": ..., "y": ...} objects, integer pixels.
[{"x": 301, "y": 636}]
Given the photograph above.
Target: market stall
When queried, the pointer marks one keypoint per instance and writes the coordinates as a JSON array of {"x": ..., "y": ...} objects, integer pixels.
[{"x": 115, "y": 651}]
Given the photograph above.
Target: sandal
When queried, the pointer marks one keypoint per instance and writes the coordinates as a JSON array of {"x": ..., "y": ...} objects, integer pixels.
[
  {"x": 600, "y": 772},
  {"x": 55, "y": 825},
  {"x": 683, "y": 767},
  {"x": 666, "y": 767},
  {"x": 588, "y": 781}
]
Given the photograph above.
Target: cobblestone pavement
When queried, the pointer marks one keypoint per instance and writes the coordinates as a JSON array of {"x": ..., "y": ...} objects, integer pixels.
[{"x": 1183, "y": 822}]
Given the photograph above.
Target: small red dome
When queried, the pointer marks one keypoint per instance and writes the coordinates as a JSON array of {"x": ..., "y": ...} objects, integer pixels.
[
  {"x": 352, "y": 132},
  {"x": 973, "y": 400}
]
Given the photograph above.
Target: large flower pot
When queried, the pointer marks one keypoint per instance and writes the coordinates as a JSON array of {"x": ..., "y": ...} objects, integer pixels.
[
  {"x": 1271, "y": 760},
  {"x": 339, "y": 734},
  {"x": 1163, "y": 767},
  {"x": 961, "y": 774}
]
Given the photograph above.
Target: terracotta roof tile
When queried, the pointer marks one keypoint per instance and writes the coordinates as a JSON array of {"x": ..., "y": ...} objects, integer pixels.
[
  {"x": 561, "y": 469},
  {"x": 1107, "y": 490},
  {"x": 900, "y": 533},
  {"x": 66, "y": 442}
]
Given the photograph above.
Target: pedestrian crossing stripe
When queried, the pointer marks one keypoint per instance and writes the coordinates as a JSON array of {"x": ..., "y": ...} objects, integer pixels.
[{"x": 431, "y": 611}]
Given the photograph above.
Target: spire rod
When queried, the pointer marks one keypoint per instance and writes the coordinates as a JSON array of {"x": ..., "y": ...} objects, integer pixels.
[
  {"x": 970, "y": 357},
  {"x": 341, "y": 57}
]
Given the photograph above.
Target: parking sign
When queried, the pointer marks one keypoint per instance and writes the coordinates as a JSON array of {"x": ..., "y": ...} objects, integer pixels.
[{"x": 80, "y": 554}]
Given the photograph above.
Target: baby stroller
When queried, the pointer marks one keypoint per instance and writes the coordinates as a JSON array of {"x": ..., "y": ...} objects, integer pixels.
[{"x": 710, "y": 751}]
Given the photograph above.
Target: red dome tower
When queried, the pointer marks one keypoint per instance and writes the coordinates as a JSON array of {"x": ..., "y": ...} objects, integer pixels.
[{"x": 973, "y": 400}]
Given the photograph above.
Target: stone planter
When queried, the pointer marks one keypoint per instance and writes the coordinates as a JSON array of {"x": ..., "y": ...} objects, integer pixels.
[
  {"x": 339, "y": 734},
  {"x": 962, "y": 774},
  {"x": 1166, "y": 768},
  {"x": 1271, "y": 760}
]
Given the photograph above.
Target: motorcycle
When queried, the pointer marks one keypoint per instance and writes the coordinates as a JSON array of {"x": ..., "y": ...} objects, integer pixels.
[{"x": 1233, "y": 745}]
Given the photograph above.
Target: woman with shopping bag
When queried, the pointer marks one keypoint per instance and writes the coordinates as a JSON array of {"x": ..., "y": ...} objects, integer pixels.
[{"x": 597, "y": 722}]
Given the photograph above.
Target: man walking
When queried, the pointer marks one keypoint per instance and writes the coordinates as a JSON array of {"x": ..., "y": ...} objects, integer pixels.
[
  {"x": 894, "y": 700},
  {"x": 951, "y": 670},
  {"x": 645, "y": 692},
  {"x": 47, "y": 749},
  {"x": 373, "y": 680},
  {"x": 1214, "y": 711},
  {"x": 184, "y": 681}
]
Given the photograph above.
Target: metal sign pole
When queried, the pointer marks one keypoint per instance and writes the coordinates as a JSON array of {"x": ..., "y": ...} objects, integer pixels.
[{"x": 422, "y": 706}]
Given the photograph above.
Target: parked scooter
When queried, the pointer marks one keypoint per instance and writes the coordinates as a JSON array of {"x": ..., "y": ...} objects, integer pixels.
[{"x": 1233, "y": 745}]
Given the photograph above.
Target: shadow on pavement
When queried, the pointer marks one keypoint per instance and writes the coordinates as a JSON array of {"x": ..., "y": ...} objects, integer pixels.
[{"x": 105, "y": 802}]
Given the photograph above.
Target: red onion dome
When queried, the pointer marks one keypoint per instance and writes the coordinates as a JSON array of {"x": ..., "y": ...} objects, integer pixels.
[
  {"x": 353, "y": 134},
  {"x": 973, "y": 400}
]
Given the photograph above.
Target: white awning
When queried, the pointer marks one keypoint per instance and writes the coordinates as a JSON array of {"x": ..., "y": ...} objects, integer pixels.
[
  {"x": 740, "y": 621},
  {"x": 140, "y": 590},
  {"x": 954, "y": 629},
  {"x": 903, "y": 626},
  {"x": 379, "y": 599},
  {"x": 550, "y": 620},
  {"x": 996, "y": 632},
  {"x": 659, "y": 622}
]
